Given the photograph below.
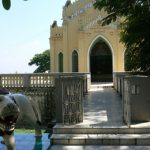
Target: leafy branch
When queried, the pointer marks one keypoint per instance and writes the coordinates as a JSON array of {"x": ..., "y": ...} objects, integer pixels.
[{"x": 7, "y": 4}]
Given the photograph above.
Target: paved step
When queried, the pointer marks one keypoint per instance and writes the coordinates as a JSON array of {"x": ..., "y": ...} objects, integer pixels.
[
  {"x": 95, "y": 135},
  {"x": 94, "y": 147},
  {"x": 101, "y": 85},
  {"x": 75, "y": 129},
  {"x": 100, "y": 139}
]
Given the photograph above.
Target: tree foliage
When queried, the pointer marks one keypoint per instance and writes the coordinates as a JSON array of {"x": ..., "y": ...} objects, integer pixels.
[
  {"x": 41, "y": 60},
  {"x": 7, "y": 4},
  {"x": 135, "y": 29}
]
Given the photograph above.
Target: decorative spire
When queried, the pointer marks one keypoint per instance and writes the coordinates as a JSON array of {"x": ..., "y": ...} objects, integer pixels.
[
  {"x": 54, "y": 24},
  {"x": 68, "y": 2}
]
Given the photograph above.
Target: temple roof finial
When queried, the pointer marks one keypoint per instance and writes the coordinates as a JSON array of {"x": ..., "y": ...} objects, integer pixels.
[
  {"x": 54, "y": 24},
  {"x": 68, "y": 2}
]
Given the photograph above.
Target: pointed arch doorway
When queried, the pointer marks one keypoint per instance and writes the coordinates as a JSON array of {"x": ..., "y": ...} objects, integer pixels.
[{"x": 101, "y": 66}]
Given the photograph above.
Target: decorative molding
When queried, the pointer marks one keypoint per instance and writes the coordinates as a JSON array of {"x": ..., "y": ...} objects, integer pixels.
[{"x": 82, "y": 9}]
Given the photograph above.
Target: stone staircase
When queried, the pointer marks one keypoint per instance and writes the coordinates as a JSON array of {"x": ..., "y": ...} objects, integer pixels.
[
  {"x": 99, "y": 128},
  {"x": 82, "y": 135}
]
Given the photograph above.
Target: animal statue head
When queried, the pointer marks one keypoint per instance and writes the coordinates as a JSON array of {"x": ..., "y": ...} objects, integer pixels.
[{"x": 9, "y": 112}]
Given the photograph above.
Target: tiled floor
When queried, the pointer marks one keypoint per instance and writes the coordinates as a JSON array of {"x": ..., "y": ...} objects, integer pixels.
[{"x": 27, "y": 141}]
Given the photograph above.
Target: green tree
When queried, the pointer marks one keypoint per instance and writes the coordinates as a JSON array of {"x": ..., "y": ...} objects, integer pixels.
[
  {"x": 135, "y": 29},
  {"x": 7, "y": 4},
  {"x": 41, "y": 60}
]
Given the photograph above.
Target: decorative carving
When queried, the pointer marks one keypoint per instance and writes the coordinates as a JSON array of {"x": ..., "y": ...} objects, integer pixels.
[
  {"x": 82, "y": 10},
  {"x": 72, "y": 100},
  {"x": 89, "y": 34},
  {"x": 93, "y": 22},
  {"x": 111, "y": 33}
]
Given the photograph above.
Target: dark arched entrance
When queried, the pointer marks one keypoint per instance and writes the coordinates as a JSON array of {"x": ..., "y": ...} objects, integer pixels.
[{"x": 101, "y": 62}]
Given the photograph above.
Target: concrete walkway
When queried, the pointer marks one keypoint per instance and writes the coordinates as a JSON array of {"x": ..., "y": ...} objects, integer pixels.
[{"x": 102, "y": 107}]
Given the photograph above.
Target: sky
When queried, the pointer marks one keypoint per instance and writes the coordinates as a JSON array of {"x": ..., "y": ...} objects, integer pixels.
[{"x": 25, "y": 31}]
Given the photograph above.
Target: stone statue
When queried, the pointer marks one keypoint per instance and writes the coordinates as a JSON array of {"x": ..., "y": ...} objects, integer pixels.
[{"x": 15, "y": 108}]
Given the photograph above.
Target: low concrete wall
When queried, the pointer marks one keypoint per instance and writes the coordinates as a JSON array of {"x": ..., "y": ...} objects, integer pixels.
[
  {"x": 86, "y": 78},
  {"x": 44, "y": 98},
  {"x": 42, "y": 87},
  {"x": 136, "y": 98},
  {"x": 135, "y": 93},
  {"x": 118, "y": 81}
]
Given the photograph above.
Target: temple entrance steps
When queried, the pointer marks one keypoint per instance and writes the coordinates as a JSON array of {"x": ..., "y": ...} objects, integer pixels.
[
  {"x": 77, "y": 135},
  {"x": 102, "y": 124}
]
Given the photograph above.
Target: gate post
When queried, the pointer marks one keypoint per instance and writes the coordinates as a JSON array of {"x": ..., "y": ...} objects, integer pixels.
[{"x": 69, "y": 99}]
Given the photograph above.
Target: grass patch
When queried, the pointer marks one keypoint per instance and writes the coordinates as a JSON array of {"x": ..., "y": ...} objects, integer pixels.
[{"x": 26, "y": 131}]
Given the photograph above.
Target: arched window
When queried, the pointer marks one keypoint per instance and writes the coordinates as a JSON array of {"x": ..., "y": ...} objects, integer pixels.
[
  {"x": 74, "y": 61},
  {"x": 60, "y": 62}
]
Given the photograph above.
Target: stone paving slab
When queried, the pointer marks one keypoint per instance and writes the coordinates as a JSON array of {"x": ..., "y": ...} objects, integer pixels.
[
  {"x": 102, "y": 107},
  {"x": 100, "y": 148},
  {"x": 101, "y": 136},
  {"x": 84, "y": 129},
  {"x": 101, "y": 139},
  {"x": 27, "y": 141}
]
